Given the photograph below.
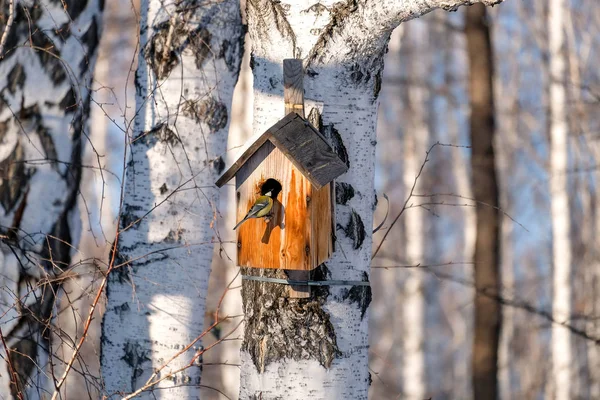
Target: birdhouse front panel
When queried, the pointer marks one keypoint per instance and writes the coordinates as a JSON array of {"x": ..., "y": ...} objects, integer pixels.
[{"x": 297, "y": 234}]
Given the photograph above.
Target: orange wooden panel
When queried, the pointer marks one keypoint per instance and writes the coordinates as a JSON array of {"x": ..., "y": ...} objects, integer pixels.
[
  {"x": 321, "y": 225},
  {"x": 286, "y": 240}
]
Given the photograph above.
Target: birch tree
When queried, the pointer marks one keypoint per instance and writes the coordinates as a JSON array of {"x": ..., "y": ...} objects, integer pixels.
[
  {"x": 561, "y": 248},
  {"x": 412, "y": 326},
  {"x": 47, "y": 56},
  {"x": 295, "y": 348},
  {"x": 190, "y": 54}
]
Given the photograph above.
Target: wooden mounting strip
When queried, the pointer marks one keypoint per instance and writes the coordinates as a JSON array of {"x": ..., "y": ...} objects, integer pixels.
[
  {"x": 293, "y": 86},
  {"x": 293, "y": 96}
]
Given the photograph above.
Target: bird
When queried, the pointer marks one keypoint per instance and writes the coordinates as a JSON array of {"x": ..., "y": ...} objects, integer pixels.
[{"x": 261, "y": 208}]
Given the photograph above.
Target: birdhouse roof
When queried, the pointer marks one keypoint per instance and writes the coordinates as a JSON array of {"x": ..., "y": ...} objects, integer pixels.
[{"x": 302, "y": 144}]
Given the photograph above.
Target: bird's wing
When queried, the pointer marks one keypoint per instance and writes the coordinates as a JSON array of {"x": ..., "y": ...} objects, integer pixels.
[{"x": 260, "y": 204}]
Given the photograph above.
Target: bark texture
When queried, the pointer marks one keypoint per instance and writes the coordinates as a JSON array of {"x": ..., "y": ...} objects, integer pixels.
[
  {"x": 189, "y": 60},
  {"x": 485, "y": 190},
  {"x": 45, "y": 75},
  {"x": 318, "y": 347}
]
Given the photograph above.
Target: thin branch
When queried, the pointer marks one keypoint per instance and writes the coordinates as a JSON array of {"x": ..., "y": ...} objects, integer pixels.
[
  {"x": 11, "y": 368},
  {"x": 9, "y": 23}
]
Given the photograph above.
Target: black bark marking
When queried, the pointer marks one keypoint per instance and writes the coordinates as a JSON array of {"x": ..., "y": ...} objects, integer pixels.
[
  {"x": 361, "y": 295},
  {"x": 161, "y": 59},
  {"x": 64, "y": 31},
  {"x": 16, "y": 78},
  {"x": 339, "y": 13},
  {"x": 218, "y": 165},
  {"x": 129, "y": 217},
  {"x": 32, "y": 115},
  {"x": 73, "y": 7},
  {"x": 377, "y": 86},
  {"x": 69, "y": 102},
  {"x": 211, "y": 112},
  {"x": 173, "y": 236},
  {"x": 12, "y": 171},
  {"x": 335, "y": 140},
  {"x": 49, "y": 57},
  {"x": 22, "y": 356},
  {"x": 355, "y": 230},
  {"x": 178, "y": 38},
  {"x": 120, "y": 273},
  {"x": 253, "y": 61},
  {"x": 233, "y": 52},
  {"x": 344, "y": 192},
  {"x": 163, "y": 189},
  {"x": 159, "y": 133},
  {"x": 199, "y": 43},
  {"x": 135, "y": 356},
  {"x": 121, "y": 310},
  {"x": 375, "y": 200},
  {"x": 318, "y": 9},
  {"x": 262, "y": 11},
  {"x": 278, "y": 327},
  {"x": 91, "y": 38},
  {"x": 48, "y": 145}
]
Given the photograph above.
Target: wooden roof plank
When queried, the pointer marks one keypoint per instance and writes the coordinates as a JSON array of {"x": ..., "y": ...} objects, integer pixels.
[{"x": 302, "y": 144}]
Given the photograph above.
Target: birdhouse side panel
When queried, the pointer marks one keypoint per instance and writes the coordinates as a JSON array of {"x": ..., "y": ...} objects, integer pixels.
[
  {"x": 321, "y": 215},
  {"x": 281, "y": 240}
]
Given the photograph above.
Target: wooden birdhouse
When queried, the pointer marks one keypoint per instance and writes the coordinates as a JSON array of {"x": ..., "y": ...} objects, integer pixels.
[{"x": 293, "y": 160}]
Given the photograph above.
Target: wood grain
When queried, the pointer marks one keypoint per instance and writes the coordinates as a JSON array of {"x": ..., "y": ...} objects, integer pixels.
[
  {"x": 282, "y": 242},
  {"x": 302, "y": 144},
  {"x": 293, "y": 86}
]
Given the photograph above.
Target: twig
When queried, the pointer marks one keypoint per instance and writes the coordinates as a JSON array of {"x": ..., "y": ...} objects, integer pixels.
[
  {"x": 387, "y": 211},
  {"x": 412, "y": 189},
  {"x": 11, "y": 368},
  {"x": 151, "y": 382},
  {"x": 9, "y": 22},
  {"x": 89, "y": 319}
]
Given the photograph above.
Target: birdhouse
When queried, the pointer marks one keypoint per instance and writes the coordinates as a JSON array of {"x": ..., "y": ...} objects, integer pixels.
[{"x": 295, "y": 162}]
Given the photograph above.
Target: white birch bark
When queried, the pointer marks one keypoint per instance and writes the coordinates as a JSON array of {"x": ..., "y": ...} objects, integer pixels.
[
  {"x": 294, "y": 349},
  {"x": 561, "y": 247},
  {"x": 189, "y": 61},
  {"x": 416, "y": 139},
  {"x": 45, "y": 74}
]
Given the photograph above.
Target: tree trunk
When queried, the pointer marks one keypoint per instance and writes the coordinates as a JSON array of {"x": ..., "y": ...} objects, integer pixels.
[
  {"x": 188, "y": 65},
  {"x": 318, "y": 347},
  {"x": 561, "y": 246},
  {"x": 485, "y": 190},
  {"x": 412, "y": 283},
  {"x": 45, "y": 73}
]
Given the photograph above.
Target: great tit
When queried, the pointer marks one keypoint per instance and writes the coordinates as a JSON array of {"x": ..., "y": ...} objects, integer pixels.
[{"x": 261, "y": 208}]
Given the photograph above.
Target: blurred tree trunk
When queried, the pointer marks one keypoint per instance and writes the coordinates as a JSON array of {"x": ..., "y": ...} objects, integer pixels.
[
  {"x": 485, "y": 190},
  {"x": 416, "y": 144},
  {"x": 45, "y": 73},
  {"x": 560, "y": 379},
  {"x": 189, "y": 62},
  {"x": 318, "y": 347}
]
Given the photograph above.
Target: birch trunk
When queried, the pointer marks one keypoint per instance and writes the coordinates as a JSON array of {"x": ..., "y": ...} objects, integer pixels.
[
  {"x": 45, "y": 73},
  {"x": 561, "y": 248},
  {"x": 188, "y": 65},
  {"x": 485, "y": 190},
  {"x": 318, "y": 347},
  {"x": 416, "y": 142}
]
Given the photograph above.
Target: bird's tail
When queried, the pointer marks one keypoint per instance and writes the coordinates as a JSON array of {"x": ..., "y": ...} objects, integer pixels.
[{"x": 239, "y": 223}]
